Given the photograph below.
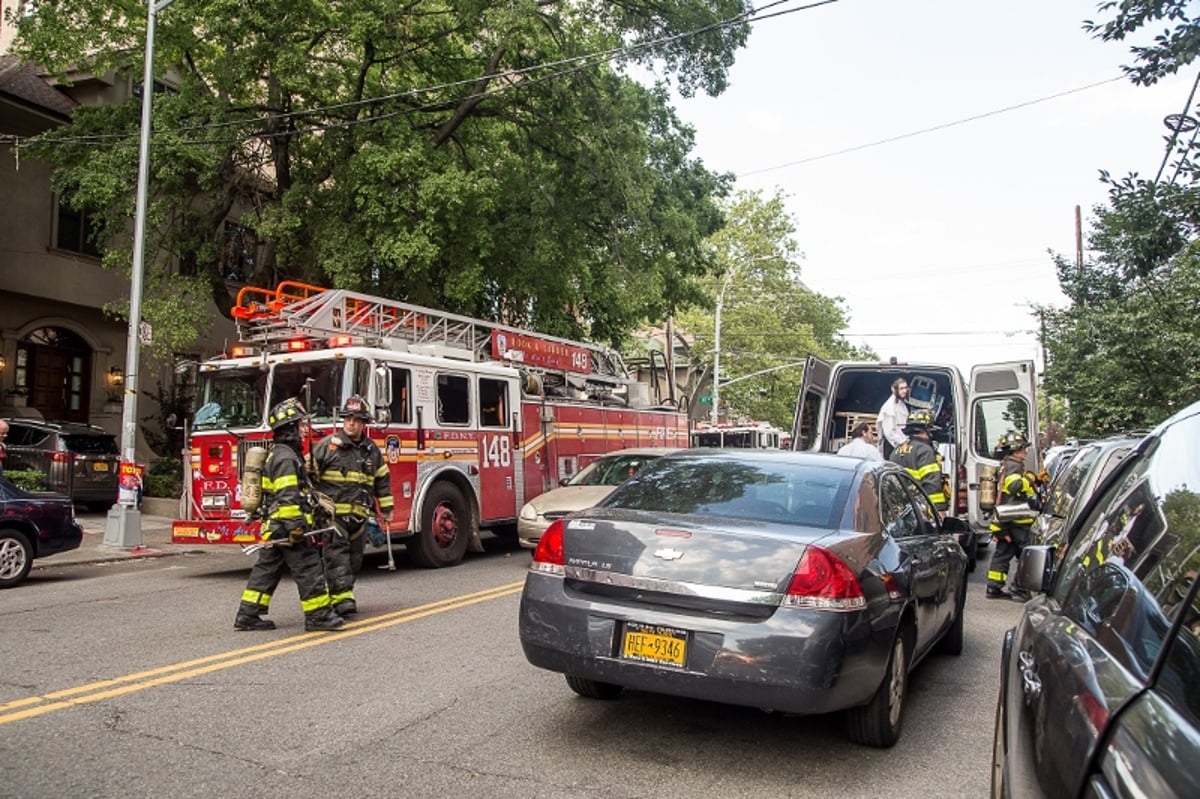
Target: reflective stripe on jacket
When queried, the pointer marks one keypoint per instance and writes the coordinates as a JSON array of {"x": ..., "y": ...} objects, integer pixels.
[
  {"x": 283, "y": 484},
  {"x": 920, "y": 459},
  {"x": 353, "y": 474}
]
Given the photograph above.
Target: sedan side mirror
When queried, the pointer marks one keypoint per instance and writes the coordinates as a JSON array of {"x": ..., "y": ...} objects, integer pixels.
[{"x": 1033, "y": 569}]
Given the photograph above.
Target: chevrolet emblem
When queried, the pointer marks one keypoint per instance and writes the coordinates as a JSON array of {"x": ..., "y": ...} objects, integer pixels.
[{"x": 668, "y": 554}]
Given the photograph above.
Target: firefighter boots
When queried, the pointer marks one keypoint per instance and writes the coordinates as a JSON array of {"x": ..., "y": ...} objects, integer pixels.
[
  {"x": 324, "y": 619},
  {"x": 252, "y": 621},
  {"x": 346, "y": 607}
]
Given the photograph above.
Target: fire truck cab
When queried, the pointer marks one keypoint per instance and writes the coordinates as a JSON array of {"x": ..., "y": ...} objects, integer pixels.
[{"x": 473, "y": 419}]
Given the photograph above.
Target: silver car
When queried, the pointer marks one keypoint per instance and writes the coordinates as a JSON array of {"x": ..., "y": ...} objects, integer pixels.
[
  {"x": 590, "y": 484},
  {"x": 802, "y": 582}
]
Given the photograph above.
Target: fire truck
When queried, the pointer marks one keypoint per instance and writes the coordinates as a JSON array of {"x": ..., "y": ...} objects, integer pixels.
[
  {"x": 742, "y": 435},
  {"x": 473, "y": 418}
]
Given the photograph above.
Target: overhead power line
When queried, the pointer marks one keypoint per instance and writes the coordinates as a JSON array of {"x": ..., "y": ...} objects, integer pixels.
[{"x": 932, "y": 129}]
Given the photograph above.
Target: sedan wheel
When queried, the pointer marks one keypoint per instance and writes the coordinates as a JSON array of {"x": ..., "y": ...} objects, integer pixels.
[
  {"x": 592, "y": 689},
  {"x": 16, "y": 557},
  {"x": 878, "y": 722},
  {"x": 998, "y": 791}
]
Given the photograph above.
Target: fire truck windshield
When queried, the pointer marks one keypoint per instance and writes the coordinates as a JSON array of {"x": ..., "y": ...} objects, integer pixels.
[
  {"x": 230, "y": 398},
  {"x": 332, "y": 380}
]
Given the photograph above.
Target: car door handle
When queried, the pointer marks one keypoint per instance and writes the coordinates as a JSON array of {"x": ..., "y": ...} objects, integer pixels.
[{"x": 1031, "y": 684}]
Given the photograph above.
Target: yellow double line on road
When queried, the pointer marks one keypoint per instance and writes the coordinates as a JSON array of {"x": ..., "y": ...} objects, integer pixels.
[{"x": 34, "y": 706}]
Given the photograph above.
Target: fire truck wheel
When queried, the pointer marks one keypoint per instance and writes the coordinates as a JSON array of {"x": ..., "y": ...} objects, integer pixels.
[{"x": 445, "y": 528}]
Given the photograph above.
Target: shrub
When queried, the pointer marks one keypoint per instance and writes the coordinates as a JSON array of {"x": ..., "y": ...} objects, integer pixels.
[
  {"x": 164, "y": 478},
  {"x": 28, "y": 479}
]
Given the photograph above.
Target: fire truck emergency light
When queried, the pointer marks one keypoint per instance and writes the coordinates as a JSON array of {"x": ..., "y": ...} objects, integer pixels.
[{"x": 242, "y": 351}]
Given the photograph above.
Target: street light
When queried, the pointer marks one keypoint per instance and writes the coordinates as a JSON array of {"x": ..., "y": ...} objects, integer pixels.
[
  {"x": 123, "y": 526},
  {"x": 714, "y": 416}
]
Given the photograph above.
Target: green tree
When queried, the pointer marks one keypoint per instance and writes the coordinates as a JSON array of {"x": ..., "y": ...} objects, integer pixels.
[
  {"x": 474, "y": 156},
  {"x": 1124, "y": 353},
  {"x": 769, "y": 318}
]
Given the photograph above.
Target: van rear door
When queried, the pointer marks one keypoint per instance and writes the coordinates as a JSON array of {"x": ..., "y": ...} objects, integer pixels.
[
  {"x": 1002, "y": 399},
  {"x": 807, "y": 429}
]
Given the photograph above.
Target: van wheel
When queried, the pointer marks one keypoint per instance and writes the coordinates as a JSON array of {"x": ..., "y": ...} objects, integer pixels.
[
  {"x": 16, "y": 557},
  {"x": 878, "y": 722},
  {"x": 445, "y": 528}
]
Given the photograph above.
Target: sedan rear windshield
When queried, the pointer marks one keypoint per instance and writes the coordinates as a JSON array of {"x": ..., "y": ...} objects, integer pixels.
[
  {"x": 769, "y": 490},
  {"x": 91, "y": 444}
]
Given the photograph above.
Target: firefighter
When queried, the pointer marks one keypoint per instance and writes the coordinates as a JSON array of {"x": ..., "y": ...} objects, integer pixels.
[
  {"x": 1013, "y": 486},
  {"x": 350, "y": 471},
  {"x": 287, "y": 515},
  {"x": 920, "y": 459}
]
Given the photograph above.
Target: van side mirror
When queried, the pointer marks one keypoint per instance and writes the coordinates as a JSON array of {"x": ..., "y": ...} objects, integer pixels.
[{"x": 1033, "y": 568}]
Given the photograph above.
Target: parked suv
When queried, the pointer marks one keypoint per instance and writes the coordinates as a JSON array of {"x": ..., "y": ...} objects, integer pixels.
[
  {"x": 1099, "y": 679},
  {"x": 79, "y": 460}
]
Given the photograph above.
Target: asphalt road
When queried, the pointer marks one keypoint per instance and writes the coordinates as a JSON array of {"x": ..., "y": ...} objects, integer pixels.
[{"x": 128, "y": 680}]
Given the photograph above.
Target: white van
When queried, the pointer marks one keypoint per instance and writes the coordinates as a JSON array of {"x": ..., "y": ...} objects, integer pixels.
[{"x": 999, "y": 398}]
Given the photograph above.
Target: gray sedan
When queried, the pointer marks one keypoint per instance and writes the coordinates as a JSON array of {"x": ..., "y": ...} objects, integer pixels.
[{"x": 799, "y": 582}]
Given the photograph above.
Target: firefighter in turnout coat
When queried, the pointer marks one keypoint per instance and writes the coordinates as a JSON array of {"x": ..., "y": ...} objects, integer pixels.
[
  {"x": 919, "y": 458},
  {"x": 1014, "y": 486},
  {"x": 350, "y": 471},
  {"x": 287, "y": 516}
]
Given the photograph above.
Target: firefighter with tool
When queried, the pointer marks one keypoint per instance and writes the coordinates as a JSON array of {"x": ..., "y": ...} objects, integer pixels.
[
  {"x": 919, "y": 458},
  {"x": 1013, "y": 515},
  {"x": 349, "y": 469},
  {"x": 286, "y": 508}
]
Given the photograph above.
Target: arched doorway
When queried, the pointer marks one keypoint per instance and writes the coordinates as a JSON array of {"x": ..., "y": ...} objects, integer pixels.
[{"x": 54, "y": 365}]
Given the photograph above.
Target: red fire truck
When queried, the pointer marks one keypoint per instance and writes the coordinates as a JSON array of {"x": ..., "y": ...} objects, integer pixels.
[{"x": 473, "y": 418}]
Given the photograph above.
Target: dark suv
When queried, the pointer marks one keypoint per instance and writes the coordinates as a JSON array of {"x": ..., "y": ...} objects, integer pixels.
[
  {"x": 79, "y": 460},
  {"x": 1100, "y": 678}
]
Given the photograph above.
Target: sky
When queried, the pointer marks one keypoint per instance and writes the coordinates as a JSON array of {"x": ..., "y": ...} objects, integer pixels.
[{"x": 939, "y": 242}]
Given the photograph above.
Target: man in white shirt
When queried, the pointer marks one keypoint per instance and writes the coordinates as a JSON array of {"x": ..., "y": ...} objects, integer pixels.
[
  {"x": 893, "y": 416},
  {"x": 860, "y": 445}
]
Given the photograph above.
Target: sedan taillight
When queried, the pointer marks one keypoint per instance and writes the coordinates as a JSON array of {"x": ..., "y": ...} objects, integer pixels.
[
  {"x": 548, "y": 557},
  {"x": 823, "y": 581}
]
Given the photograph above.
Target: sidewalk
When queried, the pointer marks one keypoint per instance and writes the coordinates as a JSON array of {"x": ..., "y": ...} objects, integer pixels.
[{"x": 155, "y": 543}]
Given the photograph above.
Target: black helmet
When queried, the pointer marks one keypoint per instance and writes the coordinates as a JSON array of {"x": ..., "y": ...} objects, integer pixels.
[
  {"x": 358, "y": 407},
  {"x": 1012, "y": 442},
  {"x": 288, "y": 412},
  {"x": 920, "y": 419}
]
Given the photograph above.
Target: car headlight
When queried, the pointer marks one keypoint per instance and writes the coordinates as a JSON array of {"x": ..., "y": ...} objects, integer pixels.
[{"x": 529, "y": 513}]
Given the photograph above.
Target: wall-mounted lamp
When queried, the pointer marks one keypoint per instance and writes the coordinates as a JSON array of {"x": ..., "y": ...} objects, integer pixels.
[
  {"x": 3, "y": 363},
  {"x": 116, "y": 377}
]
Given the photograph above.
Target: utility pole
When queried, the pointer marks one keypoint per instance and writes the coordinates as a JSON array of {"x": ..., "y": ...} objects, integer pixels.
[
  {"x": 123, "y": 526},
  {"x": 1078, "y": 244}
]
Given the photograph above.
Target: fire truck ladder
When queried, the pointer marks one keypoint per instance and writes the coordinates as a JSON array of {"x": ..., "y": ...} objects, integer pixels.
[{"x": 267, "y": 317}]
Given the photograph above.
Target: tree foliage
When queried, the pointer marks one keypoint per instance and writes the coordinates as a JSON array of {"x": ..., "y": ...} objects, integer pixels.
[
  {"x": 1125, "y": 353},
  {"x": 769, "y": 318},
  {"x": 473, "y": 156}
]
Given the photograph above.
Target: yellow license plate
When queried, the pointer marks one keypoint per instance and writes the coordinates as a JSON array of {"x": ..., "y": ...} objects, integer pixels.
[
  {"x": 652, "y": 643},
  {"x": 100, "y": 466}
]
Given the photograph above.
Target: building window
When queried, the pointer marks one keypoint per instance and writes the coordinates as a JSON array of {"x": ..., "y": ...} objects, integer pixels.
[{"x": 74, "y": 231}]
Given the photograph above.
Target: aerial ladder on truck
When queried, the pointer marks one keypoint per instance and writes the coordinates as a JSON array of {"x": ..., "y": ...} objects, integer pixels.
[{"x": 270, "y": 318}]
